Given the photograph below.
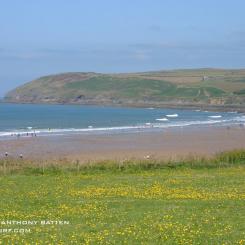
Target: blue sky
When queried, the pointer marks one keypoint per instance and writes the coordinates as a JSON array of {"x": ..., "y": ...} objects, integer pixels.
[{"x": 50, "y": 36}]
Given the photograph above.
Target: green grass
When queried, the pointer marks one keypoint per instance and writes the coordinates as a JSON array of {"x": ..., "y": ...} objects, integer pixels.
[
  {"x": 140, "y": 88},
  {"x": 240, "y": 92},
  {"x": 120, "y": 87},
  {"x": 238, "y": 80},
  {"x": 190, "y": 201}
]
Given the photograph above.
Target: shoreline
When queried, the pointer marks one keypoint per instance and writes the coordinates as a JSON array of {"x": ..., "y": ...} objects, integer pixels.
[
  {"x": 170, "y": 143},
  {"x": 156, "y": 105}
]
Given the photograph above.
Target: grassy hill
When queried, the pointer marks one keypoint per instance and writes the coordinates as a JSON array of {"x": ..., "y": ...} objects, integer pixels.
[{"x": 197, "y": 87}]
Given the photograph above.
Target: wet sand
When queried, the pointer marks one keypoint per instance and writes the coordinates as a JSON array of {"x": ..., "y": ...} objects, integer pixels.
[{"x": 168, "y": 143}]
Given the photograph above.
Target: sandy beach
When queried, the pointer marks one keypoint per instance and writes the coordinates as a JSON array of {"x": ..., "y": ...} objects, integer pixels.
[{"x": 170, "y": 143}]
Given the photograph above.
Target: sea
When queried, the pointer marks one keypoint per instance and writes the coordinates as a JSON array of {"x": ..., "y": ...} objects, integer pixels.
[{"x": 25, "y": 120}]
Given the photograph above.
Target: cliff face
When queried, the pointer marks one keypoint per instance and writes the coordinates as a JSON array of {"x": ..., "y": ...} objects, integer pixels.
[{"x": 178, "y": 87}]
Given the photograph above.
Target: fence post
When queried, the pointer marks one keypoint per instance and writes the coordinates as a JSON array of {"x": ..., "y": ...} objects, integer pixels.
[
  {"x": 5, "y": 163},
  {"x": 78, "y": 165}
]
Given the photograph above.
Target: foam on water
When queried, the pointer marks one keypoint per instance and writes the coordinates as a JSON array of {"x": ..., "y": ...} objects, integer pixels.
[
  {"x": 162, "y": 119},
  {"x": 216, "y": 116},
  {"x": 133, "y": 128},
  {"x": 172, "y": 115}
]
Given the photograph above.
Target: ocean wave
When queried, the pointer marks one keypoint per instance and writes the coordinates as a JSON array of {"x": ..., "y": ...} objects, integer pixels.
[
  {"x": 162, "y": 119},
  {"x": 145, "y": 126},
  {"x": 172, "y": 115},
  {"x": 216, "y": 116}
]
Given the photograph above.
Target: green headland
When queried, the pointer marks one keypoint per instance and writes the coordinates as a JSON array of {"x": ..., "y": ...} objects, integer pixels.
[{"x": 186, "y": 88}]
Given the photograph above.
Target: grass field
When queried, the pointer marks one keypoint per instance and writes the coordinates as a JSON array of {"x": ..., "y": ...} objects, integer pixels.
[{"x": 193, "y": 201}]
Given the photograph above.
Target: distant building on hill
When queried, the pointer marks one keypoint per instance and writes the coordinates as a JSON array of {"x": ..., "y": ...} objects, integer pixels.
[{"x": 204, "y": 78}]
